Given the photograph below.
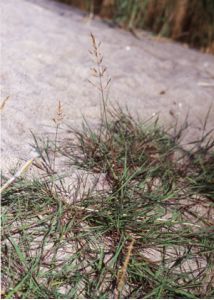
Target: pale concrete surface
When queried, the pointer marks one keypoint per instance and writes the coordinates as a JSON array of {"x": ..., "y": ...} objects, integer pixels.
[{"x": 44, "y": 58}]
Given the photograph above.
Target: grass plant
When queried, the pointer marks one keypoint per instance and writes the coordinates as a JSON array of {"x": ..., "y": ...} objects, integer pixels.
[{"x": 147, "y": 233}]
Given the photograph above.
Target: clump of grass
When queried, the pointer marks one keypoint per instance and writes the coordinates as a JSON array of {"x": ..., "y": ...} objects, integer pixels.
[
  {"x": 64, "y": 250},
  {"x": 147, "y": 234},
  {"x": 124, "y": 146}
]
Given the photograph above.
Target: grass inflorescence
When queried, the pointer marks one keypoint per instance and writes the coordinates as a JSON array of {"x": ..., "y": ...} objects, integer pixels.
[{"x": 145, "y": 232}]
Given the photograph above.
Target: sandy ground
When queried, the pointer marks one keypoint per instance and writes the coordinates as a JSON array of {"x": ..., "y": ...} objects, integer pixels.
[{"x": 44, "y": 58}]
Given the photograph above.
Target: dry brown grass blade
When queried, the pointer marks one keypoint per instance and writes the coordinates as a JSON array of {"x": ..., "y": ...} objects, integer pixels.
[
  {"x": 122, "y": 272},
  {"x": 2, "y": 104},
  {"x": 19, "y": 173}
]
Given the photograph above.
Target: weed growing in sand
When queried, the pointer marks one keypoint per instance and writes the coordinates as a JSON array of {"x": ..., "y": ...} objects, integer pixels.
[{"x": 146, "y": 232}]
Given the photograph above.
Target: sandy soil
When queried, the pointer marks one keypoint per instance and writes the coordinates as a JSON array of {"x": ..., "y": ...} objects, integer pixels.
[{"x": 44, "y": 58}]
